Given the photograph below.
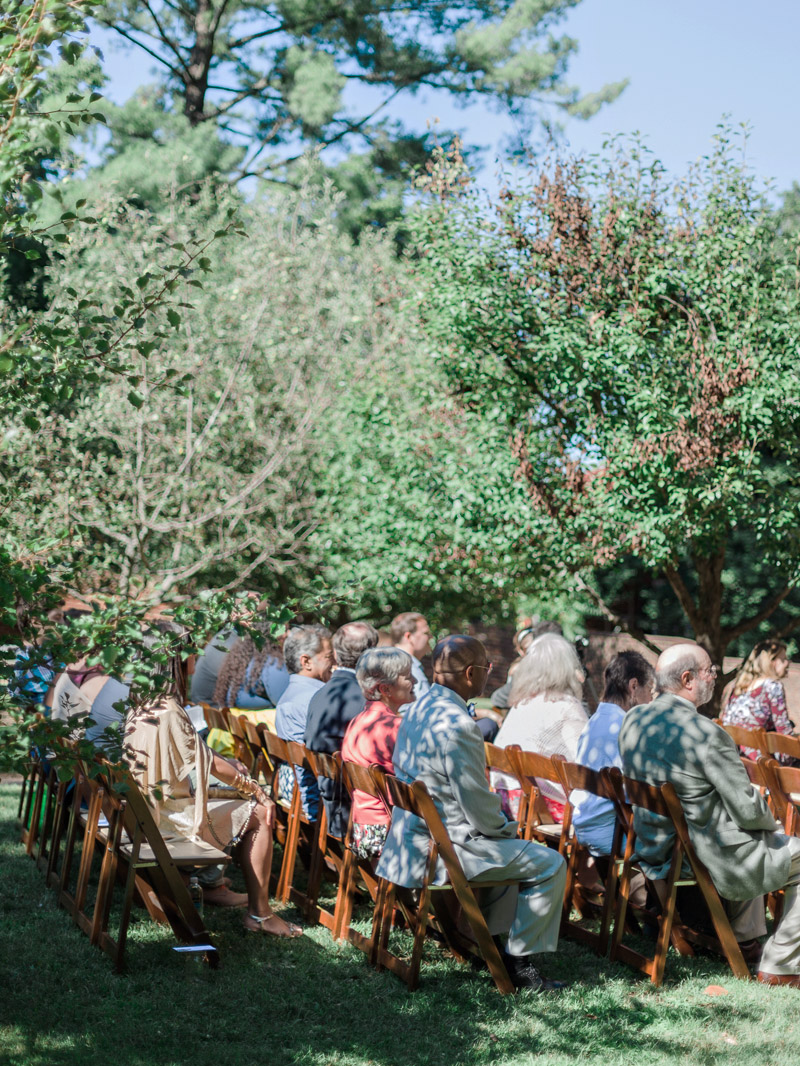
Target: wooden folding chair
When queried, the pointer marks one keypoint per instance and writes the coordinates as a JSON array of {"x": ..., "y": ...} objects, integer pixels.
[
  {"x": 275, "y": 753},
  {"x": 241, "y": 747},
  {"x": 575, "y": 776},
  {"x": 783, "y": 783},
  {"x": 355, "y": 869},
  {"x": 328, "y": 854},
  {"x": 539, "y": 824},
  {"x": 97, "y": 818},
  {"x": 663, "y": 801},
  {"x": 300, "y": 829},
  {"x": 746, "y": 738},
  {"x": 32, "y": 799},
  {"x": 152, "y": 863},
  {"x": 781, "y": 744},
  {"x": 417, "y": 801},
  {"x": 499, "y": 759}
]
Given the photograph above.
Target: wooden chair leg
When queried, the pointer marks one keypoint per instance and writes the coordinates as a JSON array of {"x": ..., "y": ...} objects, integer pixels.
[
  {"x": 36, "y": 813},
  {"x": 64, "y": 898},
  {"x": 87, "y": 852},
  {"x": 108, "y": 872},
  {"x": 290, "y": 848},
  {"x": 51, "y": 875},
  {"x": 345, "y": 896}
]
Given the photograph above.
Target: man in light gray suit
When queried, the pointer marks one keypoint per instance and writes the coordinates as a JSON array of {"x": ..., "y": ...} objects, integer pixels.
[
  {"x": 729, "y": 823},
  {"x": 440, "y": 743}
]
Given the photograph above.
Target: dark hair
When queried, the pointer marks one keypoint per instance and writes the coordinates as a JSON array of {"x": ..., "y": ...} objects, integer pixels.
[
  {"x": 626, "y": 666},
  {"x": 241, "y": 668}
]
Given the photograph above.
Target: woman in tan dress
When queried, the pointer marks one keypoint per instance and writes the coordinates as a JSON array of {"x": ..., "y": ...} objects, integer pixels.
[{"x": 164, "y": 753}]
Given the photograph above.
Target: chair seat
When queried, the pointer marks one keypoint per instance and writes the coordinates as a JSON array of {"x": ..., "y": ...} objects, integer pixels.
[
  {"x": 549, "y": 829},
  {"x": 182, "y": 852}
]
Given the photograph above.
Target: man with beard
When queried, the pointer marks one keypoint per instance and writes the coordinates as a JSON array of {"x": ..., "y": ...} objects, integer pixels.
[{"x": 729, "y": 822}]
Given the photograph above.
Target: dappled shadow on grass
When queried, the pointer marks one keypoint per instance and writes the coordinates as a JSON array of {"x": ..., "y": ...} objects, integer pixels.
[{"x": 312, "y": 1002}]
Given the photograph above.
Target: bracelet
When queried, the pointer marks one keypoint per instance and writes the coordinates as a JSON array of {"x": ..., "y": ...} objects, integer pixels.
[{"x": 246, "y": 785}]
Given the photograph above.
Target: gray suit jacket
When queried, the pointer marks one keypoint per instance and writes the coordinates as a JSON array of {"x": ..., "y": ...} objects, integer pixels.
[
  {"x": 729, "y": 823},
  {"x": 440, "y": 744}
]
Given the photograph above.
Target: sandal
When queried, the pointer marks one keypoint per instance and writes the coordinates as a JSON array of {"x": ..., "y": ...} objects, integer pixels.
[{"x": 285, "y": 930}]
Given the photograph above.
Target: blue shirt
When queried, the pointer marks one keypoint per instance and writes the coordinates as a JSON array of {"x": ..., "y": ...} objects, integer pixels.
[
  {"x": 290, "y": 724},
  {"x": 593, "y": 818}
]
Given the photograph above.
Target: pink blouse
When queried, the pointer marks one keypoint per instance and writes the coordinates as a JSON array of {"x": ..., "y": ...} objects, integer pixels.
[{"x": 370, "y": 738}]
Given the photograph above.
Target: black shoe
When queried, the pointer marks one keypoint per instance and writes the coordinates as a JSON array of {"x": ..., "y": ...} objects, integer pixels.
[
  {"x": 525, "y": 975},
  {"x": 751, "y": 951}
]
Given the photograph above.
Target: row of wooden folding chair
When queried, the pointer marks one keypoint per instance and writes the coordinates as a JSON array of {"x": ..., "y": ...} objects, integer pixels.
[
  {"x": 615, "y": 907},
  {"x": 107, "y": 828},
  {"x": 331, "y": 855}
]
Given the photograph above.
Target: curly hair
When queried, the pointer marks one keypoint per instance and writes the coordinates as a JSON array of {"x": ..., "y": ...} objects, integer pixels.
[
  {"x": 758, "y": 664},
  {"x": 241, "y": 668}
]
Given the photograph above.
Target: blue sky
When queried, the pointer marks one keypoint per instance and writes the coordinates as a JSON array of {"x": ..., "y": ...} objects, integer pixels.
[{"x": 689, "y": 62}]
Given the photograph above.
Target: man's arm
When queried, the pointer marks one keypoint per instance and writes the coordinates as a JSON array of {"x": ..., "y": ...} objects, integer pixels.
[
  {"x": 723, "y": 768},
  {"x": 465, "y": 766}
]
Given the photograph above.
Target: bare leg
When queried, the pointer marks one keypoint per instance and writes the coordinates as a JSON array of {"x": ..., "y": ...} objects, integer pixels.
[{"x": 255, "y": 857}]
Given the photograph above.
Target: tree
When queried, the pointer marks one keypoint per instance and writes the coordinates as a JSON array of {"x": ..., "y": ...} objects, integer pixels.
[
  {"x": 48, "y": 355},
  {"x": 210, "y": 475},
  {"x": 638, "y": 341},
  {"x": 283, "y": 76}
]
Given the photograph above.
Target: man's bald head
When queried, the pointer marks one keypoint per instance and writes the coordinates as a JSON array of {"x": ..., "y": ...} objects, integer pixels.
[
  {"x": 686, "y": 670},
  {"x": 455, "y": 653},
  {"x": 459, "y": 663}
]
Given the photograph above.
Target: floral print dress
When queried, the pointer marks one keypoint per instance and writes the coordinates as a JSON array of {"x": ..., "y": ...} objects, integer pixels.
[{"x": 763, "y": 706}]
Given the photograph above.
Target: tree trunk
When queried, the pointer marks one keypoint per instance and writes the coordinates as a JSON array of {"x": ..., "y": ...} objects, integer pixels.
[
  {"x": 199, "y": 63},
  {"x": 705, "y": 615}
]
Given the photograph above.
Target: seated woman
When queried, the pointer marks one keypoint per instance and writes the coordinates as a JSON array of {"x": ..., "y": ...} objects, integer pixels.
[
  {"x": 384, "y": 675},
  {"x": 546, "y": 716},
  {"x": 758, "y": 699},
  {"x": 249, "y": 678},
  {"x": 89, "y": 693},
  {"x": 162, "y": 750}
]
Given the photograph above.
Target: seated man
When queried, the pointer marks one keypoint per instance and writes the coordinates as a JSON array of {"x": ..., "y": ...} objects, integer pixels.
[
  {"x": 440, "y": 743},
  {"x": 309, "y": 660},
  {"x": 730, "y": 826},
  {"x": 628, "y": 682},
  {"x": 331, "y": 710},
  {"x": 411, "y": 632}
]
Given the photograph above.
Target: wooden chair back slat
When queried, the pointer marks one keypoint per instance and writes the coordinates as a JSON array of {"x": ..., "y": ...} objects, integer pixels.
[
  {"x": 747, "y": 738},
  {"x": 781, "y": 744}
]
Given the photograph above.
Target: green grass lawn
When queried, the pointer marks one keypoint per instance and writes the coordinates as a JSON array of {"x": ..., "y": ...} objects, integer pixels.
[{"x": 311, "y": 1001}]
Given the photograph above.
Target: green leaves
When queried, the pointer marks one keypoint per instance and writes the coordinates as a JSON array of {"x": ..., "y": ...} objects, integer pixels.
[{"x": 633, "y": 333}]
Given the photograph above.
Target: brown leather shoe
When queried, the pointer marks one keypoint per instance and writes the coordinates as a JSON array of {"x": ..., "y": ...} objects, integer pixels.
[{"x": 791, "y": 980}]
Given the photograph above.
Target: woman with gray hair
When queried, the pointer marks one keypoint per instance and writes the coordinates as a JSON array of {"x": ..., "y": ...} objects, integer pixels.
[
  {"x": 384, "y": 675},
  {"x": 546, "y": 716}
]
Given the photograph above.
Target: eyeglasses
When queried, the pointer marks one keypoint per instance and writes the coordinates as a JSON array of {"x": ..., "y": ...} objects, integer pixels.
[
  {"x": 487, "y": 667},
  {"x": 712, "y": 670}
]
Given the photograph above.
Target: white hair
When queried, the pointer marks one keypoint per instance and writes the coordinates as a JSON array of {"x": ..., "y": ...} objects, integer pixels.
[
  {"x": 381, "y": 666},
  {"x": 669, "y": 675},
  {"x": 550, "y": 668}
]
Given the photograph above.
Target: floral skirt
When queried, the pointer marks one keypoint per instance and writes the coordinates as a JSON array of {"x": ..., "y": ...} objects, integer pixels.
[{"x": 368, "y": 840}]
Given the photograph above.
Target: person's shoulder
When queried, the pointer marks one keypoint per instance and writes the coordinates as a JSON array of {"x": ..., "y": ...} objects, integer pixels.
[{"x": 772, "y": 686}]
